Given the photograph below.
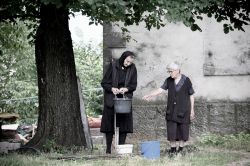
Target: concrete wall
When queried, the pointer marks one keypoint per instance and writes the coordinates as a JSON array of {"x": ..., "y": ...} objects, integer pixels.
[{"x": 218, "y": 65}]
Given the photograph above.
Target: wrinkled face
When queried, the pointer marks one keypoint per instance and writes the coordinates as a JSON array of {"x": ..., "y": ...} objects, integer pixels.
[
  {"x": 128, "y": 61},
  {"x": 173, "y": 73}
]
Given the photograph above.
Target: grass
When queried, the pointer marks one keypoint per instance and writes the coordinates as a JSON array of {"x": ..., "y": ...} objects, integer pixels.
[
  {"x": 199, "y": 159},
  {"x": 212, "y": 150},
  {"x": 205, "y": 156},
  {"x": 239, "y": 141}
]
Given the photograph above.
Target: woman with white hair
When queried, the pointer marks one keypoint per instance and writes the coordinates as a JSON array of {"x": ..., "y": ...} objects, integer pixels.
[{"x": 180, "y": 106}]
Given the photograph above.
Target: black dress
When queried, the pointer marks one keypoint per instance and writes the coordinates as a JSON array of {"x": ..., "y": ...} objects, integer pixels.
[
  {"x": 178, "y": 107},
  {"x": 117, "y": 77}
]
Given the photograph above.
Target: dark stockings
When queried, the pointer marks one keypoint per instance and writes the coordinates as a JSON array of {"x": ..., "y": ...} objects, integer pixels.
[
  {"x": 109, "y": 138},
  {"x": 173, "y": 150},
  {"x": 180, "y": 149},
  {"x": 122, "y": 138}
]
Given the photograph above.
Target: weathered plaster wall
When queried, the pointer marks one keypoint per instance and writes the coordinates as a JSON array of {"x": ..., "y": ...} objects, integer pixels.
[{"x": 218, "y": 65}]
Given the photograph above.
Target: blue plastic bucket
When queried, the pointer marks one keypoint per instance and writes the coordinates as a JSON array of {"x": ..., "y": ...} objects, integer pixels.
[{"x": 150, "y": 149}]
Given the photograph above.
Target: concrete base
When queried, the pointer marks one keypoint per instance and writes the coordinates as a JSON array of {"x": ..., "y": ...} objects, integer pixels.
[{"x": 6, "y": 146}]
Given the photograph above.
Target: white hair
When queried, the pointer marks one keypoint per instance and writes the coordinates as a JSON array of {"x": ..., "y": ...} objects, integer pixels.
[{"x": 174, "y": 66}]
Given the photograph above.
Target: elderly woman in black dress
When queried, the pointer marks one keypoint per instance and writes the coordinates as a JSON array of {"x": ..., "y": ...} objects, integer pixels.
[
  {"x": 120, "y": 78},
  {"x": 180, "y": 106}
]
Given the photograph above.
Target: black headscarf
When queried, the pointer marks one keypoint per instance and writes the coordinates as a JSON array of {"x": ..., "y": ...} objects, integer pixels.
[{"x": 124, "y": 56}]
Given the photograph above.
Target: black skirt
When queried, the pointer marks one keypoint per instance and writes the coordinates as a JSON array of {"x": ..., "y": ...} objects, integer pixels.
[
  {"x": 177, "y": 131},
  {"x": 123, "y": 121}
]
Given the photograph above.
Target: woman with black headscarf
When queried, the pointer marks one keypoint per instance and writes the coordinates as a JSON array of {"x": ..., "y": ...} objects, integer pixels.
[{"x": 120, "y": 78}]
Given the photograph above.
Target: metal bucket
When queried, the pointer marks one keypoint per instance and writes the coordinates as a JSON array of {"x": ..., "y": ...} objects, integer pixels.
[{"x": 122, "y": 105}]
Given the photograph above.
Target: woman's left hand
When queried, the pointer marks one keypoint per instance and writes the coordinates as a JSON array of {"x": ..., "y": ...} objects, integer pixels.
[{"x": 123, "y": 90}]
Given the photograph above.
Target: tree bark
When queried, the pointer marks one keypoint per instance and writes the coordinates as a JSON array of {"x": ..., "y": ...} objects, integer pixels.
[{"x": 59, "y": 117}]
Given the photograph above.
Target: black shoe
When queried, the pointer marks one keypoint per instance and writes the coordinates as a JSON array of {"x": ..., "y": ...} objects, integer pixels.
[
  {"x": 108, "y": 151},
  {"x": 172, "y": 152},
  {"x": 181, "y": 151},
  {"x": 171, "y": 155}
]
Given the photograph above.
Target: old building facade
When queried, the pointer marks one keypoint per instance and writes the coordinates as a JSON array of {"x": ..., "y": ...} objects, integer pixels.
[{"x": 218, "y": 65}]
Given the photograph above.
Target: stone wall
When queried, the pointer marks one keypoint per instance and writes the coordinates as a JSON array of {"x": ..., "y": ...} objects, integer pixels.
[{"x": 221, "y": 117}]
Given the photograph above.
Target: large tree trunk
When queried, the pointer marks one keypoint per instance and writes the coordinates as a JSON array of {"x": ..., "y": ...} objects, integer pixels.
[{"x": 59, "y": 106}]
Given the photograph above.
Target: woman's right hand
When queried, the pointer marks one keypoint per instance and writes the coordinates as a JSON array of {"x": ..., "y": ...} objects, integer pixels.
[
  {"x": 115, "y": 91},
  {"x": 153, "y": 94},
  {"x": 147, "y": 97}
]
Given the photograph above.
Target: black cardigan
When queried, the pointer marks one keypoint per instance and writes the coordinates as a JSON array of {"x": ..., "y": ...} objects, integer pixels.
[
  {"x": 110, "y": 80},
  {"x": 178, "y": 105}
]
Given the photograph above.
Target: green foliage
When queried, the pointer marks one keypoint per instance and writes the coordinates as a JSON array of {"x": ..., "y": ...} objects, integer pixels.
[
  {"x": 10, "y": 10},
  {"x": 89, "y": 70},
  {"x": 238, "y": 141},
  {"x": 235, "y": 13},
  {"x": 18, "y": 80},
  {"x": 18, "y": 85},
  {"x": 153, "y": 13}
]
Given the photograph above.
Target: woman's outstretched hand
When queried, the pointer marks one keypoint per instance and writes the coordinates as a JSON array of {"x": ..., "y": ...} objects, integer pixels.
[{"x": 147, "y": 97}]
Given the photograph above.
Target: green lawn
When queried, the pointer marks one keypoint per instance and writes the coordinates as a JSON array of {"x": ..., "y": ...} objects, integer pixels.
[{"x": 204, "y": 156}]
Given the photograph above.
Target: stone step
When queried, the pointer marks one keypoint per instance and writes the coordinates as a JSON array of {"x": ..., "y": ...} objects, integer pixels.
[
  {"x": 97, "y": 136},
  {"x": 95, "y": 132},
  {"x": 6, "y": 146},
  {"x": 98, "y": 140}
]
